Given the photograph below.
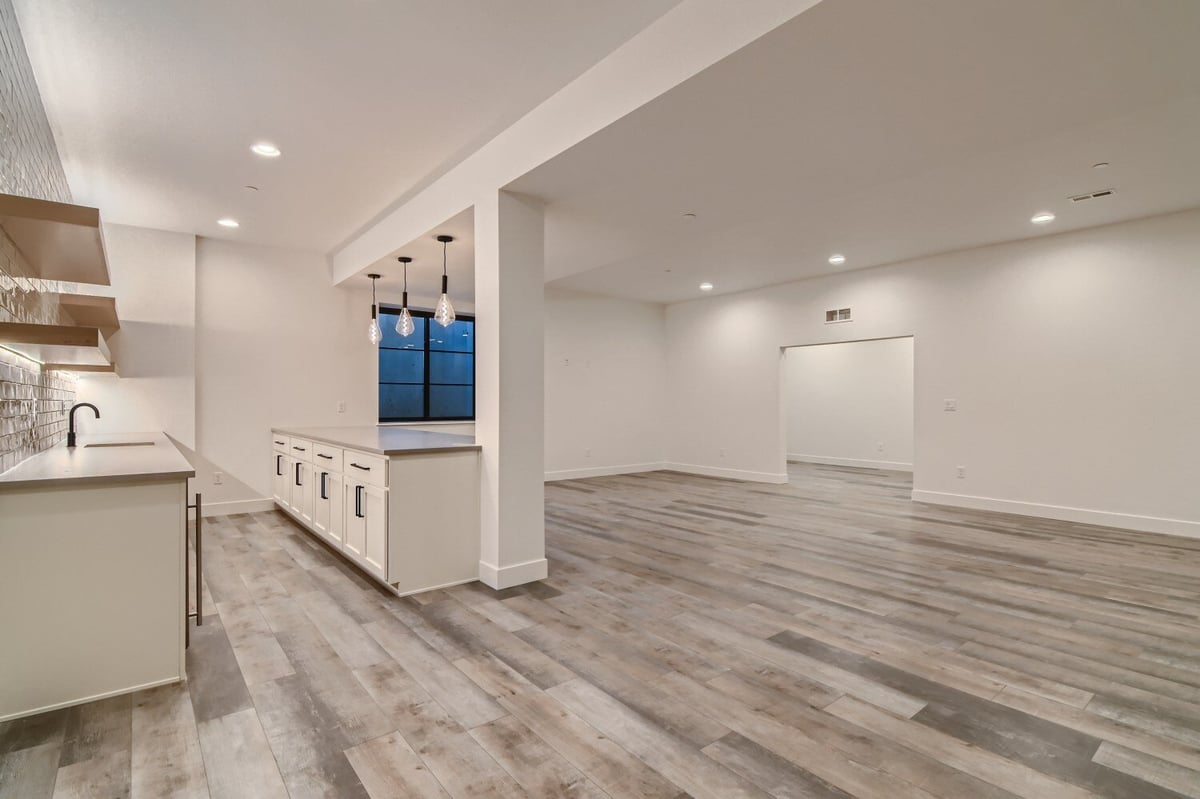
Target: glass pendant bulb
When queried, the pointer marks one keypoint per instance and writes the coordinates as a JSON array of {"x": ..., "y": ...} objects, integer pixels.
[
  {"x": 374, "y": 334},
  {"x": 404, "y": 325},
  {"x": 444, "y": 313}
]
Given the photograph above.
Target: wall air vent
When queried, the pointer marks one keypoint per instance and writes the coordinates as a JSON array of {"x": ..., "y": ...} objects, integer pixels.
[
  {"x": 1094, "y": 195},
  {"x": 837, "y": 315}
]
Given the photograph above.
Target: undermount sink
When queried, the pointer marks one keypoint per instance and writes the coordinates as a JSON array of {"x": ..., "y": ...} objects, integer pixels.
[{"x": 122, "y": 444}]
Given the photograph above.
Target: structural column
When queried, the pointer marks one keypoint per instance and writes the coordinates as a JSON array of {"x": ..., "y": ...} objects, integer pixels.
[{"x": 509, "y": 373}]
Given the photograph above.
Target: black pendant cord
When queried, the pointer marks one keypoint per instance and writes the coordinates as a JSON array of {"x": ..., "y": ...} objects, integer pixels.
[
  {"x": 374, "y": 304},
  {"x": 404, "y": 261}
]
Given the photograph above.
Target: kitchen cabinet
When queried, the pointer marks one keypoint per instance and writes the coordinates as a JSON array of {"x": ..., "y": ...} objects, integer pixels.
[
  {"x": 366, "y": 538},
  {"x": 302, "y": 491},
  {"x": 403, "y": 508},
  {"x": 281, "y": 479},
  {"x": 328, "y": 501}
]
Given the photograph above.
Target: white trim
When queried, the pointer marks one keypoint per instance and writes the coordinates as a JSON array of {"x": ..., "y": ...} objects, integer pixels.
[
  {"x": 84, "y": 699},
  {"x": 1103, "y": 518},
  {"x": 730, "y": 474},
  {"x": 516, "y": 574},
  {"x": 238, "y": 506},
  {"x": 896, "y": 466},
  {"x": 603, "y": 471}
]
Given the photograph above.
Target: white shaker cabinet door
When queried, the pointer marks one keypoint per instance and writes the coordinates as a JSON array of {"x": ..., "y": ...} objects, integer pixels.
[
  {"x": 354, "y": 539},
  {"x": 374, "y": 503},
  {"x": 281, "y": 478}
]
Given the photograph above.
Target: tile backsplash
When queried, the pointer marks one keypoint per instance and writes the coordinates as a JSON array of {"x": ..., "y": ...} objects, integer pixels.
[
  {"x": 33, "y": 403},
  {"x": 33, "y": 408}
]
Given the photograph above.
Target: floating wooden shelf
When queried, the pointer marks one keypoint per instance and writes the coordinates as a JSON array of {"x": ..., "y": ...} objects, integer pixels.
[
  {"x": 90, "y": 311},
  {"x": 57, "y": 344},
  {"x": 90, "y": 368},
  {"x": 59, "y": 240}
]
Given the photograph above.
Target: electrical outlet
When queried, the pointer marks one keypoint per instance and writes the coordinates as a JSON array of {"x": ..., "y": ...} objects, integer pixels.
[
  {"x": 587, "y": 453},
  {"x": 341, "y": 406},
  {"x": 962, "y": 472},
  {"x": 721, "y": 453},
  {"x": 218, "y": 478},
  {"x": 950, "y": 405},
  {"x": 879, "y": 446}
]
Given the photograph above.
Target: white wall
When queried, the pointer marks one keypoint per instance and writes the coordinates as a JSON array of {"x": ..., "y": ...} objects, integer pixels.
[
  {"x": 153, "y": 278},
  {"x": 1072, "y": 358},
  {"x": 276, "y": 345},
  {"x": 850, "y": 404},
  {"x": 605, "y": 385}
]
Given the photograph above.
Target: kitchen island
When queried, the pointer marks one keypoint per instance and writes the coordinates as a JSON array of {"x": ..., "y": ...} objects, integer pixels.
[
  {"x": 92, "y": 582},
  {"x": 401, "y": 504}
]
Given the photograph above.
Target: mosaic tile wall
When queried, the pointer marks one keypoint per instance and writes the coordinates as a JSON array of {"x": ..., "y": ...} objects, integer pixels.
[
  {"x": 33, "y": 403},
  {"x": 29, "y": 162}
]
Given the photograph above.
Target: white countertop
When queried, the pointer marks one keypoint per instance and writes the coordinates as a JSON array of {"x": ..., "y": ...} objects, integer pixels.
[
  {"x": 160, "y": 460},
  {"x": 390, "y": 441}
]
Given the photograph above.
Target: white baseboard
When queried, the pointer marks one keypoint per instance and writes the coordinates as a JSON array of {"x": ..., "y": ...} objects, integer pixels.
[
  {"x": 602, "y": 471},
  {"x": 896, "y": 466},
  {"x": 1102, "y": 518},
  {"x": 238, "y": 506},
  {"x": 516, "y": 574},
  {"x": 730, "y": 474}
]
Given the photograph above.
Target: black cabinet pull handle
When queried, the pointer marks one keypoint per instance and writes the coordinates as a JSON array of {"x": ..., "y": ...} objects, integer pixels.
[
  {"x": 298, "y": 474},
  {"x": 299, "y": 449},
  {"x": 323, "y": 476},
  {"x": 364, "y": 468},
  {"x": 279, "y": 466},
  {"x": 281, "y": 443},
  {"x": 323, "y": 455},
  {"x": 358, "y": 514}
]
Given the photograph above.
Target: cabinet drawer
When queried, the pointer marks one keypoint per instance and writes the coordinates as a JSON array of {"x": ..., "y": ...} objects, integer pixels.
[
  {"x": 326, "y": 457},
  {"x": 281, "y": 443},
  {"x": 301, "y": 450},
  {"x": 368, "y": 469}
]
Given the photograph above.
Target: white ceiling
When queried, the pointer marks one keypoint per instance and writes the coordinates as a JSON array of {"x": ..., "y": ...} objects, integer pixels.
[
  {"x": 155, "y": 103},
  {"x": 884, "y": 131}
]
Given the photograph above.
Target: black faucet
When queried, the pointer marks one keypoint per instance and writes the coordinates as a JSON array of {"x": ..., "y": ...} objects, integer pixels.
[{"x": 71, "y": 424}]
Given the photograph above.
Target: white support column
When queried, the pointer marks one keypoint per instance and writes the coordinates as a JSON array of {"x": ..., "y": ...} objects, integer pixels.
[{"x": 509, "y": 372}]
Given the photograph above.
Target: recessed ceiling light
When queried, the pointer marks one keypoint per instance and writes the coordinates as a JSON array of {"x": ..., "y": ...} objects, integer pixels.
[
  {"x": 227, "y": 222},
  {"x": 837, "y": 259},
  {"x": 706, "y": 286},
  {"x": 266, "y": 149},
  {"x": 1042, "y": 218}
]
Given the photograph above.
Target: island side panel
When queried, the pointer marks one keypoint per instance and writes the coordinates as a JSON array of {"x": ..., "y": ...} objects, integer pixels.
[
  {"x": 91, "y": 592},
  {"x": 433, "y": 520}
]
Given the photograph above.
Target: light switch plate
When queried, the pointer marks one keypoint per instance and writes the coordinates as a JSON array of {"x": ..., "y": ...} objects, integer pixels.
[{"x": 950, "y": 405}]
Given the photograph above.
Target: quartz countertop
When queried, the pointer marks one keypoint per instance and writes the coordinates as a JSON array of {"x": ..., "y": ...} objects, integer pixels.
[
  {"x": 157, "y": 460},
  {"x": 389, "y": 441}
]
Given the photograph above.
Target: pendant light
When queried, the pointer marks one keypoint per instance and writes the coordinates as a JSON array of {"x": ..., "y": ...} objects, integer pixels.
[
  {"x": 373, "y": 331},
  {"x": 444, "y": 315},
  {"x": 404, "y": 325}
]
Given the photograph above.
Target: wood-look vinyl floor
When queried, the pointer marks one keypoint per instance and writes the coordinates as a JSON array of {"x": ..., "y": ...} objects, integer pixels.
[{"x": 701, "y": 637}]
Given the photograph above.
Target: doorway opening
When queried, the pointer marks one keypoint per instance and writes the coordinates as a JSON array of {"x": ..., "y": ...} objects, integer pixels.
[{"x": 849, "y": 404}]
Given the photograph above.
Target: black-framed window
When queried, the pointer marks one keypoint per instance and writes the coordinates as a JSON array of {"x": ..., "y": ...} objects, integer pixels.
[{"x": 428, "y": 376}]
